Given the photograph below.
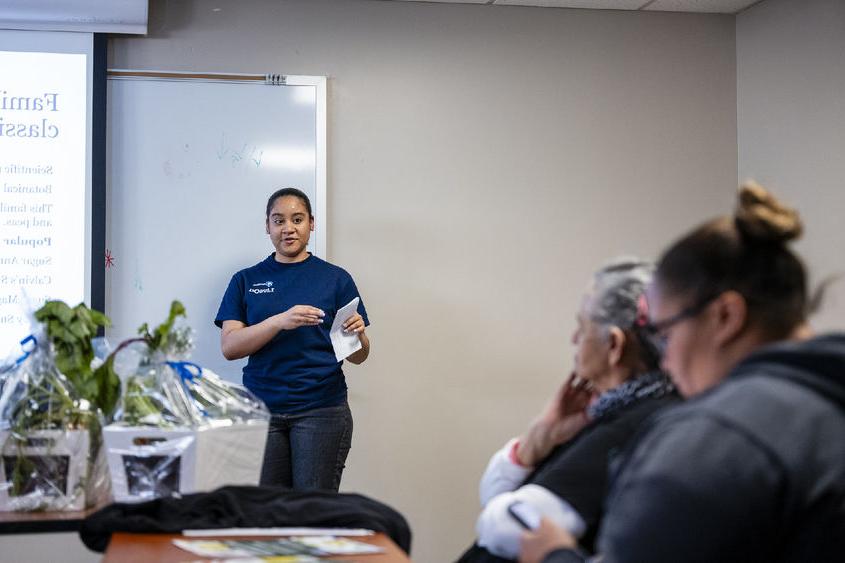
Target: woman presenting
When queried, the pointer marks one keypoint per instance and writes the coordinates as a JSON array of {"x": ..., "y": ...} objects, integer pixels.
[{"x": 278, "y": 313}]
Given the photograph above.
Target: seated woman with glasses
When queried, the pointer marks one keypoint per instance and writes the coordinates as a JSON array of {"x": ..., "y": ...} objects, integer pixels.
[
  {"x": 752, "y": 467},
  {"x": 559, "y": 466}
]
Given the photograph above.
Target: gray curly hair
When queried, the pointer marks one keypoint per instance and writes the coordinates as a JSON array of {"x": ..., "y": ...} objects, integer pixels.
[{"x": 617, "y": 300}]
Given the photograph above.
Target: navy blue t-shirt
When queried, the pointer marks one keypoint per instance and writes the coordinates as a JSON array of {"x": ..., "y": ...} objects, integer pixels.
[{"x": 297, "y": 370}]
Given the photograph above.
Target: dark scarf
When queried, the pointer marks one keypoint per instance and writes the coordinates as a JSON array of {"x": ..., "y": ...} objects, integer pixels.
[{"x": 651, "y": 384}]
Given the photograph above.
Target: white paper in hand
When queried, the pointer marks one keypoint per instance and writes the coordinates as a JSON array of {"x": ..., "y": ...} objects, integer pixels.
[{"x": 343, "y": 343}]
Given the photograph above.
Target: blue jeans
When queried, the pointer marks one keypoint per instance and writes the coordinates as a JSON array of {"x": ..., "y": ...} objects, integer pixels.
[{"x": 307, "y": 450}]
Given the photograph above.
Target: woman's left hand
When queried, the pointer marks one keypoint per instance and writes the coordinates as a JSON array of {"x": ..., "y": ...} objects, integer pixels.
[{"x": 354, "y": 324}]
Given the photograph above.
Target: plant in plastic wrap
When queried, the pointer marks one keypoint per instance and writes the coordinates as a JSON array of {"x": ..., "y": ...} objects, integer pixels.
[
  {"x": 174, "y": 418},
  {"x": 148, "y": 398},
  {"x": 51, "y": 415}
]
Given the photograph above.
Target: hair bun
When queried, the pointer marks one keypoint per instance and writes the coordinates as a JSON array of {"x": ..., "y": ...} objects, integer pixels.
[{"x": 762, "y": 218}]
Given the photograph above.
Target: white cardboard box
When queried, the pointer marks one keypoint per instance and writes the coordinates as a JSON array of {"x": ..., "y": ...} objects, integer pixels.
[
  {"x": 149, "y": 462},
  {"x": 61, "y": 453}
]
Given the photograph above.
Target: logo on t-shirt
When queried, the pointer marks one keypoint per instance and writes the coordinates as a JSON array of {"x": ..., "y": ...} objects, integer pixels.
[{"x": 262, "y": 287}]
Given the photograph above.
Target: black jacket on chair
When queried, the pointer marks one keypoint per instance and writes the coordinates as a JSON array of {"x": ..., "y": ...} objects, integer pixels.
[{"x": 245, "y": 507}]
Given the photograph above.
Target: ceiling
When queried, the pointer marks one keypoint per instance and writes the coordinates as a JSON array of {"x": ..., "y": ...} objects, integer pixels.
[{"x": 700, "y": 6}]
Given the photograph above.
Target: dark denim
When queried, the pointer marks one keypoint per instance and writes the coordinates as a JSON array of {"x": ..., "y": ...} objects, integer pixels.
[{"x": 307, "y": 450}]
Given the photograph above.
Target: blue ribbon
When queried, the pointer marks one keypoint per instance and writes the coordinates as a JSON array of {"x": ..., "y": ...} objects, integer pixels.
[
  {"x": 186, "y": 375},
  {"x": 182, "y": 369},
  {"x": 26, "y": 353}
]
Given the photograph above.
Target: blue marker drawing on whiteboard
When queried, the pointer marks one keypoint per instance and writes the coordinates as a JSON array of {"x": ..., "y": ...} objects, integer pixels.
[
  {"x": 237, "y": 156},
  {"x": 221, "y": 152},
  {"x": 257, "y": 161},
  {"x": 137, "y": 279}
]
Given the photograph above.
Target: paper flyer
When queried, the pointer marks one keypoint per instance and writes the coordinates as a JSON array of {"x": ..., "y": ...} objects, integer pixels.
[{"x": 344, "y": 343}]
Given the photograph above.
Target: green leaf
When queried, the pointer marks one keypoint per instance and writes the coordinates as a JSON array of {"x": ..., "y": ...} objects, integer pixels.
[
  {"x": 66, "y": 364},
  {"x": 54, "y": 309},
  {"x": 136, "y": 403},
  {"x": 161, "y": 335},
  {"x": 108, "y": 384},
  {"x": 81, "y": 312},
  {"x": 63, "y": 312},
  {"x": 56, "y": 331},
  {"x": 99, "y": 319},
  {"x": 78, "y": 329}
]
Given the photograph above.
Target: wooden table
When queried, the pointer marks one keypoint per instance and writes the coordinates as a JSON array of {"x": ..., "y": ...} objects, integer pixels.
[{"x": 145, "y": 548}]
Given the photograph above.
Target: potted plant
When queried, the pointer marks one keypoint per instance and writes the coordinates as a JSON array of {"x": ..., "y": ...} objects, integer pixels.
[
  {"x": 52, "y": 410},
  {"x": 179, "y": 428}
]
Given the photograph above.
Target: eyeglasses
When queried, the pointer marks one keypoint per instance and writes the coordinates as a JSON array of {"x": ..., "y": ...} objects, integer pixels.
[{"x": 659, "y": 329}]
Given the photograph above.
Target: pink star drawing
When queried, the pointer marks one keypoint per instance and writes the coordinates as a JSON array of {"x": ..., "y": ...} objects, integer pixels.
[{"x": 109, "y": 259}]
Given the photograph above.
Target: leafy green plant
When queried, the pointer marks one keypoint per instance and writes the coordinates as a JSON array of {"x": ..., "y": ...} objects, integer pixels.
[
  {"x": 50, "y": 402},
  {"x": 138, "y": 407},
  {"x": 63, "y": 392},
  {"x": 165, "y": 338},
  {"x": 48, "y": 405},
  {"x": 70, "y": 331}
]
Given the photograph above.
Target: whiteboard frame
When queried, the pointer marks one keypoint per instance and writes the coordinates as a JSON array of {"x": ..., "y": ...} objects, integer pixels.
[{"x": 319, "y": 82}]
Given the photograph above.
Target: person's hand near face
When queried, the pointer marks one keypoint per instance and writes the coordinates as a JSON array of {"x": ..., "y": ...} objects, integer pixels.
[{"x": 561, "y": 419}]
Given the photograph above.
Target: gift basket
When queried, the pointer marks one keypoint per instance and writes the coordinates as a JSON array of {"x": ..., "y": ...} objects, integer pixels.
[
  {"x": 177, "y": 427},
  {"x": 52, "y": 409}
]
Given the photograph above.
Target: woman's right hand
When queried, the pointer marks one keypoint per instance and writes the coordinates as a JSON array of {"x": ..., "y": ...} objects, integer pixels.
[
  {"x": 559, "y": 421},
  {"x": 300, "y": 315},
  {"x": 535, "y": 545},
  {"x": 237, "y": 340}
]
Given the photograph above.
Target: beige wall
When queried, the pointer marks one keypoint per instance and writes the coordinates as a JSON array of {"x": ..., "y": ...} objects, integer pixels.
[
  {"x": 791, "y": 125},
  {"x": 46, "y": 548},
  {"x": 483, "y": 161}
]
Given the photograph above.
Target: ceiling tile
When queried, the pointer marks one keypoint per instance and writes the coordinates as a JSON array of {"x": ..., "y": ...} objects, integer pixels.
[
  {"x": 451, "y": 1},
  {"x": 591, "y": 4},
  {"x": 701, "y": 6}
]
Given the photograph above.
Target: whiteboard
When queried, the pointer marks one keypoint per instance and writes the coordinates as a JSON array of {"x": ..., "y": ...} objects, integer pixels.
[{"x": 190, "y": 165}]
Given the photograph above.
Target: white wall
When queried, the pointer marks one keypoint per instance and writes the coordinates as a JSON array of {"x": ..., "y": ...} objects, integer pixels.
[
  {"x": 483, "y": 161},
  {"x": 791, "y": 124}
]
